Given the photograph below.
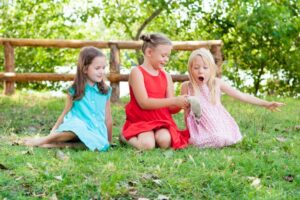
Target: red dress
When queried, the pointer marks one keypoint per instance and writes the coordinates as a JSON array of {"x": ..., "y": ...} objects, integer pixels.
[{"x": 139, "y": 120}]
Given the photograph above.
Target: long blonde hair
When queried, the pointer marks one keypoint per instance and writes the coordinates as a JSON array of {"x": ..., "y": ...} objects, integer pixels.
[{"x": 209, "y": 60}]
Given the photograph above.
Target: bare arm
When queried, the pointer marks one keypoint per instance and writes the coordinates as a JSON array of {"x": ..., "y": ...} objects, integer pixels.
[
  {"x": 273, "y": 106},
  {"x": 108, "y": 121},
  {"x": 184, "y": 91},
  {"x": 136, "y": 81},
  {"x": 170, "y": 94},
  {"x": 68, "y": 106}
]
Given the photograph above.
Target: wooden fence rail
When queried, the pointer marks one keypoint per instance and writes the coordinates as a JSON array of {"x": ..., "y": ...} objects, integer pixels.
[{"x": 10, "y": 77}]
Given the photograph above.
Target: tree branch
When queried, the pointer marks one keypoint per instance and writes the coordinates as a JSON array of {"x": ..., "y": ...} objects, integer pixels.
[{"x": 148, "y": 20}]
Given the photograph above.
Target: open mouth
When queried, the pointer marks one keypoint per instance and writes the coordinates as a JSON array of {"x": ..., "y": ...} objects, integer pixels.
[{"x": 200, "y": 78}]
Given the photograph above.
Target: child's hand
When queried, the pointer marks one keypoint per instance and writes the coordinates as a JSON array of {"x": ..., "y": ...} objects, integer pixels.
[
  {"x": 182, "y": 101},
  {"x": 274, "y": 106},
  {"x": 187, "y": 102}
]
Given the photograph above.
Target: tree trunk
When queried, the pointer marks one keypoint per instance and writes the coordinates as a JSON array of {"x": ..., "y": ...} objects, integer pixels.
[
  {"x": 258, "y": 79},
  {"x": 140, "y": 58}
]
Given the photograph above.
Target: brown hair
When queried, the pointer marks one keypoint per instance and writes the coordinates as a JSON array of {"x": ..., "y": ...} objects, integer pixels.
[
  {"x": 153, "y": 40},
  {"x": 86, "y": 56}
]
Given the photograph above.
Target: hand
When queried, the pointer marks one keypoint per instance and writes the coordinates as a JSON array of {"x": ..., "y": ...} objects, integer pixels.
[
  {"x": 274, "y": 106},
  {"x": 182, "y": 102},
  {"x": 186, "y": 103}
]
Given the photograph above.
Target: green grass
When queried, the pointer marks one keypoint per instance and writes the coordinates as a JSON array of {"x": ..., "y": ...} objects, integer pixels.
[{"x": 269, "y": 153}]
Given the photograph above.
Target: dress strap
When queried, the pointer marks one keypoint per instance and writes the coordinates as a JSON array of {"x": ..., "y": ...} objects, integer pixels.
[
  {"x": 189, "y": 88},
  {"x": 147, "y": 73},
  {"x": 140, "y": 68}
]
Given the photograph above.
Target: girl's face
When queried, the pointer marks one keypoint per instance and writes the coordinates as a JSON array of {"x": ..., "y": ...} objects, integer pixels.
[
  {"x": 159, "y": 56},
  {"x": 96, "y": 70},
  {"x": 200, "y": 70}
]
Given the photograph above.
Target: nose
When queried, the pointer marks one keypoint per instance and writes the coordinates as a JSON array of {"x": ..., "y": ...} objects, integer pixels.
[
  {"x": 102, "y": 70},
  {"x": 200, "y": 70}
]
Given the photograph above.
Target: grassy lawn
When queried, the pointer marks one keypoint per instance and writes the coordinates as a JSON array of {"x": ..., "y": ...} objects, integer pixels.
[{"x": 265, "y": 165}]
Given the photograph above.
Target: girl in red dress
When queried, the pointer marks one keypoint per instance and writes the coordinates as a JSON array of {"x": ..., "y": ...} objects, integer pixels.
[{"x": 148, "y": 114}]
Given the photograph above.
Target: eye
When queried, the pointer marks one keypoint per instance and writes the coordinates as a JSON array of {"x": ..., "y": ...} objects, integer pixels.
[{"x": 100, "y": 67}]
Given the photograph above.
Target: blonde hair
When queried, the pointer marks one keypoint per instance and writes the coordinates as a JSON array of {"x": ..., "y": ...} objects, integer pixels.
[{"x": 208, "y": 60}]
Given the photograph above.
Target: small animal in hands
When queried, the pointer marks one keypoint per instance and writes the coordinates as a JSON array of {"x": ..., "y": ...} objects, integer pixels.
[{"x": 195, "y": 106}]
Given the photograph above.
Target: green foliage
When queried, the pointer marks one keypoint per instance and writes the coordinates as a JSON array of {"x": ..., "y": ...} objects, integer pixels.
[
  {"x": 34, "y": 19},
  {"x": 261, "y": 37},
  {"x": 269, "y": 154},
  {"x": 39, "y": 19}
]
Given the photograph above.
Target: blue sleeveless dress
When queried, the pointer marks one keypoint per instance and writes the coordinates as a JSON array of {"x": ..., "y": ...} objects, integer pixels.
[{"x": 86, "y": 119}]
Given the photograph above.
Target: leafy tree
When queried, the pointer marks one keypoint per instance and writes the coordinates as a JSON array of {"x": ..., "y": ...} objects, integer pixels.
[
  {"x": 129, "y": 19},
  {"x": 261, "y": 42},
  {"x": 39, "y": 19},
  {"x": 261, "y": 38}
]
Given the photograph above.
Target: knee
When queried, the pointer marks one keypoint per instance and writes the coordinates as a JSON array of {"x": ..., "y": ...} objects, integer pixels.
[
  {"x": 164, "y": 144},
  {"x": 146, "y": 141},
  {"x": 163, "y": 138},
  {"x": 147, "y": 144}
]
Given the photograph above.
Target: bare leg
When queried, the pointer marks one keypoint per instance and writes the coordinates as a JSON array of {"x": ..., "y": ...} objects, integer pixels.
[
  {"x": 51, "y": 138},
  {"x": 144, "y": 141},
  {"x": 163, "y": 138},
  {"x": 64, "y": 144}
]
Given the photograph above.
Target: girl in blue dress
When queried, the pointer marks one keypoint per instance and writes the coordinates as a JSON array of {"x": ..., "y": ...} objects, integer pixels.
[{"x": 87, "y": 114}]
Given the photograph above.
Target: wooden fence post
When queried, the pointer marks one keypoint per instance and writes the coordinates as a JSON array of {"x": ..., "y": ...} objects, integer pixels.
[
  {"x": 115, "y": 69},
  {"x": 9, "y": 86},
  {"x": 217, "y": 53}
]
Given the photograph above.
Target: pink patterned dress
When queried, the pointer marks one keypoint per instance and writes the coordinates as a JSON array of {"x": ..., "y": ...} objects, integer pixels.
[{"x": 216, "y": 127}]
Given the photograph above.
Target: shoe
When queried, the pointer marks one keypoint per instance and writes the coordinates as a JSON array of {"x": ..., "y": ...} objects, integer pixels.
[{"x": 195, "y": 106}]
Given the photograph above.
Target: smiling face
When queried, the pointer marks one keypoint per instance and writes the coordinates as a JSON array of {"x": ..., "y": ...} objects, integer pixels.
[
  {"x": 158, "y": 57},
  {"x": 96, "y": 70},
  {"x": 200, "y": 70}
]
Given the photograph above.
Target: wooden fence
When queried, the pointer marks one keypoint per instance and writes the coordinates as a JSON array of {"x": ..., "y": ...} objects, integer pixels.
[{"x": 10, "y": 77}]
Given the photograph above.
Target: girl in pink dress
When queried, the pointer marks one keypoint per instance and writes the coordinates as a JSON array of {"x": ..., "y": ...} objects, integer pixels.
[{"x": 214, "y": 126}]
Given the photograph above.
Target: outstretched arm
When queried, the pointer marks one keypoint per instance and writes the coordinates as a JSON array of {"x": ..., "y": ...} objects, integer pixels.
[
  {"x": 68, "y": 106},
  {"x": 136, "y": 81},
  {"x": 273, "y": 106},
  {"x": 108, "y": 121}
]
